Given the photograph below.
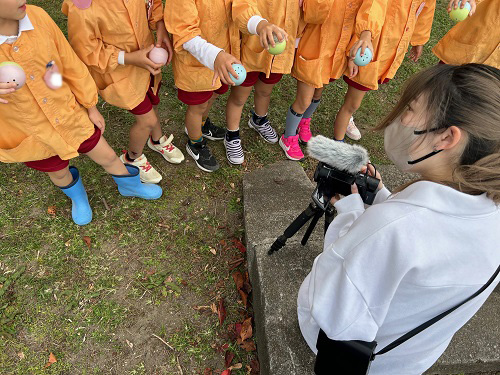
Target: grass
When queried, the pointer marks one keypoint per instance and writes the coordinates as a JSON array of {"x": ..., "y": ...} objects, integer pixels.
[{"x": 96, "y": 307}]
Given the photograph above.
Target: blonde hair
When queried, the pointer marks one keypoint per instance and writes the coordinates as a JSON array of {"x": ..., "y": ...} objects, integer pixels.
[{"x": 466, "y": 96}]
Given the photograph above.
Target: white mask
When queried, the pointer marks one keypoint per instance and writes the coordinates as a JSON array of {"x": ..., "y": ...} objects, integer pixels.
[{"x": 398, "y": 140}]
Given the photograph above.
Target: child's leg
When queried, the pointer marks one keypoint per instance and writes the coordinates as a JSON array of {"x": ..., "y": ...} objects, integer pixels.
[
  {"x": 235, "y": 103},
  {"x": 352, "y": 102},
  {"x": 104, "y": 155},
  {"x": 140, "y": 131},
  {"x": 262, "y": 97},
  {"x": 157, "y": 132},
  {"x": 209, "y": 105},
  {"x": 314, "y": 103},
  {"x": 194, "y": 118},
  {"x": 61, "y": 178},
  {"x": 302, "y": 101}
]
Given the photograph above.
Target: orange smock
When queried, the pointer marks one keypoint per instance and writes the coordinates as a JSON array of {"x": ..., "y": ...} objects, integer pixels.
[
  {"x": 406, "y": 21},
  {"x": 38, "y": 122},
  {"x": 321, "y": 53},
  {"x": 99, "y": 33},
  {"x": 474, "y": 40}
]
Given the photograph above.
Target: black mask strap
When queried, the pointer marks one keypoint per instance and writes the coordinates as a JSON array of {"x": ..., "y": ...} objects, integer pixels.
[{"x": 424, "y": 157}]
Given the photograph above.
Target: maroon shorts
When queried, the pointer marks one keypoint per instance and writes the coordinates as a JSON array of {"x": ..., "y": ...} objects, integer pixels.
[
  {"x": 196, "y": 98},
  {"x": 361, "y": 87},
  {"x": 149, "y": 101},
  {"x": 252, "y": 78},
  {"x": 55, "y": 163}
]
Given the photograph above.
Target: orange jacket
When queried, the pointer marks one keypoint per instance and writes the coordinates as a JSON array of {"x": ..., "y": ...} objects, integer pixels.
[
  {"x": 38, "y": 122},
  {"x": 282, "y": 13},
  {"x": 100, "y": 32},
  {"x": 474, "y": 40},
  {"x": 209, "y": 19},
  {"x": 406, "y": 21},
  {"x": 321, "y": 54}
]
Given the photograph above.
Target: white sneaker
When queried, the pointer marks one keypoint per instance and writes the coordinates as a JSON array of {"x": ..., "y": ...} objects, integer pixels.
[
  {"x": 234, "y": 151},
  {"x": 353, "y": 131},
  {"x": 147, "y": 173},
  {"x": 170, "y": 153}
]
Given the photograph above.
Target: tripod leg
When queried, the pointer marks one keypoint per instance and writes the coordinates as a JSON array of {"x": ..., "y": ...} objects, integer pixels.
[
  {"x": 311, "y": 227},
  {"x": 329, "y": 216},
  {"x": 293, "y": 228}
]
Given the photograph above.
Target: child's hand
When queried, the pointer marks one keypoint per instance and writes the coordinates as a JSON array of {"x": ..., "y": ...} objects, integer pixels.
[
  {"x": 265, "y": 30},
  {"x": 163, "y": 40},
  {"x": 6, "y": 88},
  {"x": 353, "y": 68},
  {"x": 415, "y": 53},
  {"x": 222, "y": 68},
  {"x": 140, "y": 58},
  {"x": 454, "y": 5},
  {"x": 365, "y": 41},
  {"x": 96, "y": 118}
]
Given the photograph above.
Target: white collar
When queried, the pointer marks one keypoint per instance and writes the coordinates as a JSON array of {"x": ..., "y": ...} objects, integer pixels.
[{"x": 24, "y": 25}]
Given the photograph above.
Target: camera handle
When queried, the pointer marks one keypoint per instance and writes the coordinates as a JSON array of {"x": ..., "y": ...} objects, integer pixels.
[{"x": 314, "y": 212}]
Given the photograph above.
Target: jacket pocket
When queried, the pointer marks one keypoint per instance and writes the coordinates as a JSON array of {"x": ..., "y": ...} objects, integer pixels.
[
  {"x": 308, "y": 71},
  {"x": 29, "y": 149}
]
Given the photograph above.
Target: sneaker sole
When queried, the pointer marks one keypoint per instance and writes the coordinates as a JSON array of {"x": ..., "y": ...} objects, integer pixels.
[
  {"x": 171, "y": 161},
  {"x": 284, "y": 149},
  {"x": 209, "y": 137},
  {"x": 353, "y": 138},
  {"x": 196, "y": 161},
  {"x": 258, "y": 132}
]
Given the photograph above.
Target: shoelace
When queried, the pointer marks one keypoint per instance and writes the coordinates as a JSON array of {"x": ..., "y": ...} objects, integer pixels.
[{"x": 146, "y": 167}]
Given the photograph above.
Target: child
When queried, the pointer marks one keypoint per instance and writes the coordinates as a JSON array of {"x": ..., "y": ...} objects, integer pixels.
[
  {"x": 202, "y": 34},
  {"x": 406, "y": 21},
  {"x": 473, "y": 40},
  {"x": 321, "y": 57},
  {"x": 113, "y": 38},
  {"x": 43, "y": 127},
  {"x": 412, "y": 255},
  {"x": 263, "y": 70}
]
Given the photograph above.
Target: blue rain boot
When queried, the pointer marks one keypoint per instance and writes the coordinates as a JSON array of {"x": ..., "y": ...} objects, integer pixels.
[
  {"x": 131, "y": 185},
  {"x": 81, "y": 211}
]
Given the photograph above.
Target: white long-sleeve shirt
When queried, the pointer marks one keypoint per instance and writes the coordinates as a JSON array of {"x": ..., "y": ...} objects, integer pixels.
[{"x": 406, "y": 259}]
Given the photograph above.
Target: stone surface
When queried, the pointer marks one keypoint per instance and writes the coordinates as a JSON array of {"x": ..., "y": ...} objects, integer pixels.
[{"x": 273, "y": 198}]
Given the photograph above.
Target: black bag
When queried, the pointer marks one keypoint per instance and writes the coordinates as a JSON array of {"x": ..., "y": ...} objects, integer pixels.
[{"x": 355, "y": 357}]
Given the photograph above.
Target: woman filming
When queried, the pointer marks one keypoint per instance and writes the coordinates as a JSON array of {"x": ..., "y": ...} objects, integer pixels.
[{"x": 424, "y": 249}]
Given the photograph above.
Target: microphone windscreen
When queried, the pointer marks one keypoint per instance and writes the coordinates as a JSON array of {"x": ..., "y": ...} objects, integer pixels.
[{"x": 339, "y": 155}]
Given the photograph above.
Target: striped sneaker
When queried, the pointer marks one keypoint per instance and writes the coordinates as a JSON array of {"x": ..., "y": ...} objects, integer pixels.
[
  {"x": 265, "y": 130},
  {"x": 234, "y": 151}
]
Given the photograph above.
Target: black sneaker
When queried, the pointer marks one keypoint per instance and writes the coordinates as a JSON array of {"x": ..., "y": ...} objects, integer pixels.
[
  {"x": 202, "y": 156},
  {"x": 212, "y": 132}
]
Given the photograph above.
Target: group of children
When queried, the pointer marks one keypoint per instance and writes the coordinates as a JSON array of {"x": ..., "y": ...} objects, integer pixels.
[{"x": 108, "y": 53}]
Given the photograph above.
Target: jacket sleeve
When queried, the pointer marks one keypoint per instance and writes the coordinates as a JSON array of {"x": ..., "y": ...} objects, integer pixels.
[
  {"x": 316, "y": 11},
  {"x": 156, "y": 15},
  {"x": 242, "y": 11},
  {"x": 348, "y": 210},
  {"x": 371, "y": 17},
  {"x": 85, "y": 38},
  {"x": 423, "y": 25},
  {"x": 182, "y": 21},
  {"x": 75, "y": 73}
]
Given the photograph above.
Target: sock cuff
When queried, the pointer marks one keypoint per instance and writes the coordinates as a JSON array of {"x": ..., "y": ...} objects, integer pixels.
[
  {"x": 315, "y": 101},
  {"x": 295, "y": 113},
  {"x": 196, "y": 140}
]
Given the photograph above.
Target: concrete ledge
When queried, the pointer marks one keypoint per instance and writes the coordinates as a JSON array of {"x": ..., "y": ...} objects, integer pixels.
[{"x": 273, "y": 197}]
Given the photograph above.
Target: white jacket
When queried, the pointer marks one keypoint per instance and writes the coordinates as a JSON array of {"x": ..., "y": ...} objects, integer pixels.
[{"x": 404, "y": 260}]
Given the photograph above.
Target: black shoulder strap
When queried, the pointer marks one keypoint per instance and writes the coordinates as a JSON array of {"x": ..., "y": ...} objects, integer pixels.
[{"x": 427, "y": 324}]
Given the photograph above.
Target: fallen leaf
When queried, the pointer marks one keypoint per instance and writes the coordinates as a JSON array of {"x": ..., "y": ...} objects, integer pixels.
[
  {"x": 226, "y": 372},
  {"x": 21, "y": 355},
  {"x": 129, "y": 344},
  {"x": 236, "y": 367},
  {"x": 239, "y": 245},
  {"x": 52, "y": 359},
  {"x": 214, "y": 308},
  {"x": 246, "y": 329},
  {"x": 213, "y": 251},
  {"x": 238, "y": 279},
  {"x": 237, "y": 328},
  {"x": 169, "y": 279},
  {"x": 255, "y": 366},
  {"x": 67, "y": 243},
  {"x": 198, "y": 308},
  {"x": 247, "y": 345},
  {"x": 232, "y": 185},
  {"x": 51, "y": 211},
  {"x": 208, "y": 371},
  {"x": 87, "y": 241},
  {"x": 228, "y": 358},
  {"x": 221, "y": 311}
]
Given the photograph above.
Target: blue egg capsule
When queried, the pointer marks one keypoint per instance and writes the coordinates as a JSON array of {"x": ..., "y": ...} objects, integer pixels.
[
  {"x": 365, "y": 59},
  {"x": 242, "y": 74}
]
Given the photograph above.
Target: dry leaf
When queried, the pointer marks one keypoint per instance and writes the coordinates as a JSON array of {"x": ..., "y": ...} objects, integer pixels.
[
  {"x": 214, "y": 308},
  {"x": 228, "y": 358},
  {"x": 129, "y": 344},
  {"x": 236, "y": 367},
  {"x": 52, "y": 359},
  {"x": 87, "y": 241},
  {"x": 232, "y": 185},
  {"x": 255, "y": 367},
  {"x": 238, "y": 279},
  {"x": 239, "y": 245},
  {"x": 213, "y": 251},
  {"x": 52, "y": 212},
  {"x": 247, "y": 345},
  {"x": 67, "y": 243},
  {"x": 21, "y": 355},
  {"x": 246, "y": 329},
  {"x": 226, "y": 372},
  {"x": 221, "y": 311}
]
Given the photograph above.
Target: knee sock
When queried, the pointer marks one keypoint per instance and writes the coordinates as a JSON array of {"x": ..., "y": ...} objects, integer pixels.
[
  {"x": 231, "y": 135},
  {"x": 292, "y": 122},
  {"x": 312, "y": 108}
]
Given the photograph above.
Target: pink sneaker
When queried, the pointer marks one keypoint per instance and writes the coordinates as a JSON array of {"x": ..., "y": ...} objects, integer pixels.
[
  {"x": 291, "y": 147},
  {"x": 304, "y": 130}
]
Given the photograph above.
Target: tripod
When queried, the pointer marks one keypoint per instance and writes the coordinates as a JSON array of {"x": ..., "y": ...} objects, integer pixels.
[{"x": 314, "y": 211}]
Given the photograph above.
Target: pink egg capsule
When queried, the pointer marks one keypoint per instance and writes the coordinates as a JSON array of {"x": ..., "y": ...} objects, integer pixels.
[
  {"x": 158, "y": 55},
  {"x": 12, "y": 72},
  {"x": 53, "y": 79}
]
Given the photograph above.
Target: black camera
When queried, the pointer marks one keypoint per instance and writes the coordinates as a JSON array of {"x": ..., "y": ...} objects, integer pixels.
[{"x": 331, "y": 181}]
